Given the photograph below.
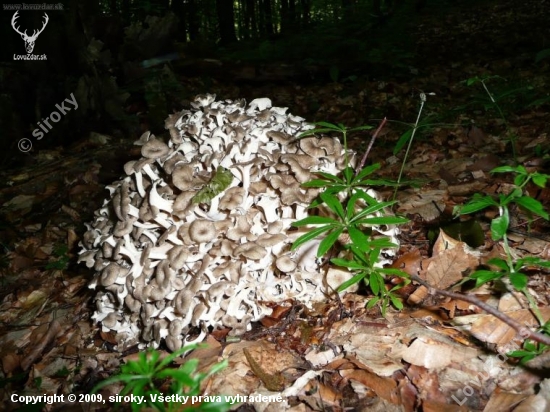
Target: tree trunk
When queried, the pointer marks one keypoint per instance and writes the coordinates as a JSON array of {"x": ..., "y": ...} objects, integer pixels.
[
  {"x": 125, "y": 11},
  {"x": 178, "y": 8},
  {"x": 306, "y": 9},
  {"x": 292, "y": 13},
  {"x": 285, "y": 18},
  {"x": 193, "y": 19},
  {"x": 226, "y": 21},
  {"x": 268, "y": 18},
  {"x": 347, "y": 7},
  {"x": 250, "y": 18}
]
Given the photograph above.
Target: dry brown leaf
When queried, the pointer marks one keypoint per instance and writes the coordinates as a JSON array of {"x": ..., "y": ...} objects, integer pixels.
[
  {"x": 450, "y": 260},
  {"x": 20, "y": 202},
  {"x": 533, "y": 403},
  {"x": 45, "y": 334},
  {"x": 10, "y": 362},
  {"x": 453, "y": 305},
  {"x": 434, "y": 406},
  {"x": 431, "y": 353},
  {"x": 504, "y": 401},
  {"x": 418, "y": 296},
  {"x": 426, "y": 203},
  {"x": 465, "y": 189},
  {"x": 485, "y": 163},
  {"x": 489, "y": 329},
  {"x": 386, "y": 388},
  {"x": 427, "y": 382},
  {"x": 409, "y": 262}
]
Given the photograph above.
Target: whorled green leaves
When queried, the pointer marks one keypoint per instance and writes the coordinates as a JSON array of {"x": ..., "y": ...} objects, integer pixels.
[
  {"x": 355, "y": 216},
  {"x": 143, "y": 377}
]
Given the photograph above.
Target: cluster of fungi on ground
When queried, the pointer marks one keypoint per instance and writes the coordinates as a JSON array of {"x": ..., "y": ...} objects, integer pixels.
[{"x": 198, "y": 233}]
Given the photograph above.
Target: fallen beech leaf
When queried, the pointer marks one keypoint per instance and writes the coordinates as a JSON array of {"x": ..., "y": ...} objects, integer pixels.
[
  {"x": 409, "y": 262},
  {"x": 434, "y": 406},
  {"x": 450, "y": 260},
  {"x": 386, "y": 388},
  {"x": 504, "y": 401},
  {"x": 486, "y": 163},
  {"x": 489, "y": 329},
  {"x": 52, "y": 330},
  {"x": 418, "y": 296},
  {"x": 10, "y": 362},
  {"x": 431, "y": 353},
  {"x": 476, "y": 136},
  {"x": 427, "y": 204},
  {"x": 20, "y": 202}
]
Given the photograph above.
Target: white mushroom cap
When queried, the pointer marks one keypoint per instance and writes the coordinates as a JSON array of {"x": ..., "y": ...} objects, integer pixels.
[
  {"x": 202, "y": 231},
  {"x": 285, "y": 264},
  {"x": 154, "y": 149}
]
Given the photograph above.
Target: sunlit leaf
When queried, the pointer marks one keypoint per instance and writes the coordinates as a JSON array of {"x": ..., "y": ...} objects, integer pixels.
[
  {"x": 350, "y": 264},
  {"x": 371, "y": 210},
  {"x": 356, "y": 129},
  {"x": 518, "y": 280},
  {"x": 329, "y": 241},
  {"x": 397, "y": 302},
  {"x": 499, "y": 225},
  {"x": 532, "y": 205},
  {"x": 314, "y": 220},
  {"x": 355, "y": 279},
  {"x": 504, "y": 169},
  {"x": 383, "y": 220},
  {"x": 334, "y": 204},
  {"x": 331, "y": 126},
  {"x": 476, "y": 204},
  {"x": 500, "y": 263},
  {"x": 539, "y": 179},
  {"x": 367, "y": 171},
  {"x": 405, "y": 137},
  {"x": 357, "y": 237},
  {"x": 372, "y": 302},
  {"x": 330, "y": 177},
  {"x": 483, "y": 276},
  {"x": 312, "y": 234}
]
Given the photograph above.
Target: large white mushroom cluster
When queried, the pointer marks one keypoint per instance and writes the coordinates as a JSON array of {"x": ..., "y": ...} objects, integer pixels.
[{"x": 198, "y": 233}]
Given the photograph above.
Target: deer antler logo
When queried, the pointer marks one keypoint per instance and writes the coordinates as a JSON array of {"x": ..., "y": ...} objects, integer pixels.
[{"x": 29, "y": 40}]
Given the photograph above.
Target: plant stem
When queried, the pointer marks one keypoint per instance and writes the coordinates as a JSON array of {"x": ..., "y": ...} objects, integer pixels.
[
  {"x": 373, "y": 138},
  {"x": 501, "y": 113},
  {"x": 422, "y": 101}
]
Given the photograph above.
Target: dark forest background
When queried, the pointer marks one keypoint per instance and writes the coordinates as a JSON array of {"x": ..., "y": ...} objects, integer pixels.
[{"x": 131, "y": 63}]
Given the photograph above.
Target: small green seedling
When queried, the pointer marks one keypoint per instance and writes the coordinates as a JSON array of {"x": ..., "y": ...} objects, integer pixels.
[{"x": 144, "y": 376}]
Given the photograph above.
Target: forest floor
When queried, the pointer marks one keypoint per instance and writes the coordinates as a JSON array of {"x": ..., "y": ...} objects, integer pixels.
[{"x": 439, "y": 353}]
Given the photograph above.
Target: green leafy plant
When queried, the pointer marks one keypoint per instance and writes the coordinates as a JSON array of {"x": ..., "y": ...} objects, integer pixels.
[
  {"x": 531, "y": 349},
  {"x": 62, "y": 258},
  {"x": 349, "y": 227},
  {"x": 510, "y": 271},
  {"x": 144, "y": 377}
]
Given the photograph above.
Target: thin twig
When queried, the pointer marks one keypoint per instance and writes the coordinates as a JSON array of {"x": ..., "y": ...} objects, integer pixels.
[
  {"x": 373, "y": 138},
  {"x": 524, "y": 331}
]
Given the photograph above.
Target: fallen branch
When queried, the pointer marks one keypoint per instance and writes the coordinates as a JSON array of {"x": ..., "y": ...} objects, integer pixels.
[
  {"x": 373, "y": 138},
  {"x": 524, "y": 331}
]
